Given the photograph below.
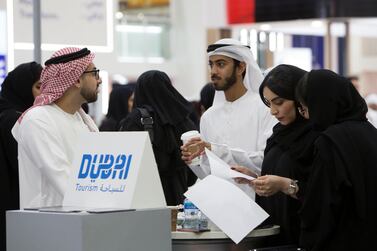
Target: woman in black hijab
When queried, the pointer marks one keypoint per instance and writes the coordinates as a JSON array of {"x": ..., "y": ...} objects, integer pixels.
[
  {"x": 120, "y": 104},
  {"x": 17, "y": 95},
  {"x": 287, "y": 150},
  {"x": 339, "y": 204},
  {"x": 170, "y": 112}
]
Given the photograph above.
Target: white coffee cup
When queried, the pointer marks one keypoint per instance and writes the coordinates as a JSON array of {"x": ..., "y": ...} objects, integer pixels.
[{"x": 185, "y": 137}]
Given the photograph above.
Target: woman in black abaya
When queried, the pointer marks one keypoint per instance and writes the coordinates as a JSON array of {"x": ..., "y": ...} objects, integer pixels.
[
  {"x": 120, "y": 104},
  {"x": 17, "y": 95},
  {"x": 170, "y": 113},
  {"x": 287, "y": 150},
  {"x": 339, "y": 203}
]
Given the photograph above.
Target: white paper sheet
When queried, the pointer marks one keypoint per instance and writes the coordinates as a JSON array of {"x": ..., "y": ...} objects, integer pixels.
[
  {"x": 221, "y": 169},
  {"x": 235, "y": 213},
  {"x": 199, "y": 171},
  {"x": 242, "y": 158}
]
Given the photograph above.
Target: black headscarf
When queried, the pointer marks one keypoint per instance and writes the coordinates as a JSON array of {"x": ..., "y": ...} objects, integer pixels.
[
  {"x": 338, "y": 211},
  {"x": 330, "y": 99},
  {"x": 16, "y": 89},
  {"x": 170, "y": 112},
  {"x": 118, "y": 102},
  {"x": 282, "y": 80},
  {"x": 131, "y": 85},
  {"x": 154, "y": 89}
]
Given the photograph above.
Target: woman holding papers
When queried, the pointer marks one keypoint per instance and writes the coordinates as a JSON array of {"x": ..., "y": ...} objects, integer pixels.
[
  {"x": 287, "y": 150},
  {"x": 339, "y": 204}
]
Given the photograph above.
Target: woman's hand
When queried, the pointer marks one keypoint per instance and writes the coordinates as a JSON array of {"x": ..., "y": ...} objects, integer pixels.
[
  {"x": 246, "y": 171},
  {"x": 268, "y": 185}
]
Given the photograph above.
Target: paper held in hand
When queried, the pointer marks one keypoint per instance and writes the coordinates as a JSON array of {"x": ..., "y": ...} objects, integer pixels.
[
  {"x": 221, "y": 169},
  {"x": 227, "y": 206},
  {"x": 224, "y": 202}
]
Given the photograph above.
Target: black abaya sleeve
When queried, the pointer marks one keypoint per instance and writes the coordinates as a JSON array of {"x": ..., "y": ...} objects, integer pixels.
[
  {"x": 131, "y": 122},
  {"x": 319, "y": 201}
]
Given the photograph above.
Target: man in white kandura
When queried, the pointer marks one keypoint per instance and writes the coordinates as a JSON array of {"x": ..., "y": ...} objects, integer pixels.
[
  {"x": 47, "y": 133},
  {"x": 238, "y": 124}
]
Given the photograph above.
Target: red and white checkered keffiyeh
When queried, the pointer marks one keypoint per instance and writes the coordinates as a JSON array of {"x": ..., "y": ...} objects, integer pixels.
[{"x": 57, "y": 78}]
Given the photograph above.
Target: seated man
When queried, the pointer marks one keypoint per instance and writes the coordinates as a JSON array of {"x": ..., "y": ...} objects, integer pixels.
[{"x": 47, "y": 133}]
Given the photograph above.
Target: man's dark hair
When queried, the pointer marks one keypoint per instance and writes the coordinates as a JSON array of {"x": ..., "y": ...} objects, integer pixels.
[{"x": 236, "y": 64}]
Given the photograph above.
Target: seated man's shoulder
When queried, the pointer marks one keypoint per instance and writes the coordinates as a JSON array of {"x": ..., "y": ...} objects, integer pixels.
[{"x": 38, "y": 113}]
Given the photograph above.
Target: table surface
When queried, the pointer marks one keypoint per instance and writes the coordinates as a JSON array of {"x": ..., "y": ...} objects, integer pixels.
[{"x": 259, "y": 232}]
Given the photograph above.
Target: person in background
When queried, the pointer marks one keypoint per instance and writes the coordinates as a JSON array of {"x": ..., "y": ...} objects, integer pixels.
[
  {"x": 207, "y": 94},
  {"x": 371, "y": 101},
  {"x": 132, "y": 85},
  {"x": 120, "y": 104},
  {"x": 47, "y": 133},
  {"x": 118, "y": 80},
  {"x": 170, "y": 113},
  {"x": 354, "y": 79},
  {"x": 18, "y": 91},
  {"x": 339, "y": 203},
  {"x": 288, "y": 149},
  {"x": 237, "y": 126},
  {"x": 85, "y": 108},
  {"x": 196, "y": 112}
]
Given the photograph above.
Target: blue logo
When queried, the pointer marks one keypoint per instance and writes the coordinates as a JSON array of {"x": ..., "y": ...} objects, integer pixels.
[
  {"x": 104, "y": 166},
  {"x": 3, "y": 69}
]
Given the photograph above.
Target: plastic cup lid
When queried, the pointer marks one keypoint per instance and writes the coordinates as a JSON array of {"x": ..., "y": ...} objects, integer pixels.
[{"x": 190, "y": 134}]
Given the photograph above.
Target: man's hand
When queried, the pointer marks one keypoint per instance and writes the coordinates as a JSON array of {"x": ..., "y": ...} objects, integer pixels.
[{"x": 193, "y": 148}]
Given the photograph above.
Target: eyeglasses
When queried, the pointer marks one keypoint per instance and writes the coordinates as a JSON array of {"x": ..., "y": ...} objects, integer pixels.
[{"x": 95, "y": 71}]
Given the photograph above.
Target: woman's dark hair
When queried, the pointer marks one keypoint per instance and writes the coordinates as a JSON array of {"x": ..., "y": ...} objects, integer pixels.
[
  {"x": 302, "y": 90},
  {"x": 282, "y": 80}
]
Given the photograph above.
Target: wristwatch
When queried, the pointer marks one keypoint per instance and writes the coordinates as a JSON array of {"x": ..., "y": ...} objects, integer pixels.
[{"x": 293, "y": 187}]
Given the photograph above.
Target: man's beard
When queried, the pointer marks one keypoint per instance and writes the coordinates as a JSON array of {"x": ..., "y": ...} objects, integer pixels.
[
  {"x": 88, "y": 95},
  {"x": 229, "y": 82}
]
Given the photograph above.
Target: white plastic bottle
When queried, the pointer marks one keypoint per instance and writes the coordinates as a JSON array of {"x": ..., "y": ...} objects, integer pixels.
[
  {"x": 192, "y": 217},
  {"x": 203, "y": 221}
]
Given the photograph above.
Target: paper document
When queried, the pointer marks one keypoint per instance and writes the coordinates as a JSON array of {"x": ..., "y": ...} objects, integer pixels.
[
  {"x": 235, "y": 213},
  {"x": 200, "y": 171},
  {"x": 242, "y": 158},
  {"x": 221, "y": 169}
]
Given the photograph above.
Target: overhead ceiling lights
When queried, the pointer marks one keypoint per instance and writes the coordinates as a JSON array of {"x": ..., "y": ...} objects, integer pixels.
[
  {"x": 265, "y": 27},
  {"x": 317, "y": 24}
]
